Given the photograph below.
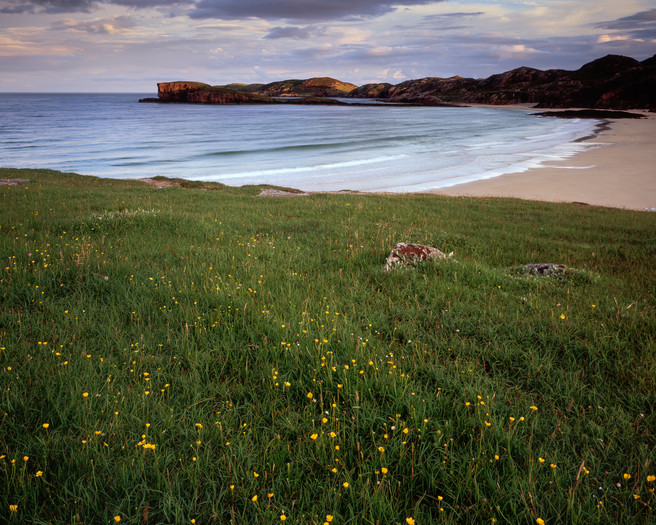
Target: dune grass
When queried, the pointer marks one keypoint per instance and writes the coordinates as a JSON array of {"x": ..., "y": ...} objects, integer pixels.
[{"x": 189, "y": 354}]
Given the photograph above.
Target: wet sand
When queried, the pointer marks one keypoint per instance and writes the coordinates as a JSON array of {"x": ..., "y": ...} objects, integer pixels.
[{"x": 618, "y": 171}]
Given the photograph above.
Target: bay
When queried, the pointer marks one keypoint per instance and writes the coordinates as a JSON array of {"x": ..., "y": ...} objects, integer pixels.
[{"x": 320, "y": 148}]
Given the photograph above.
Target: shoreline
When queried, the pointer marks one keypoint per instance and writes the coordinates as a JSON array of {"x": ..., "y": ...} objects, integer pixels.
[{"x": 618, "y": 170}]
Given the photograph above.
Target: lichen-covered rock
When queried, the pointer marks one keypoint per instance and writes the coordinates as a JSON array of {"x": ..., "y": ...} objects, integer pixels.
[
  {"x": 404, "y": 254},
  {"x": 543, "y": 268}
]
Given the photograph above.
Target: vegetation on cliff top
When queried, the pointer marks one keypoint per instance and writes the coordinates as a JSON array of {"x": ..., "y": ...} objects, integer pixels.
[{"x": 181, "y": 355}]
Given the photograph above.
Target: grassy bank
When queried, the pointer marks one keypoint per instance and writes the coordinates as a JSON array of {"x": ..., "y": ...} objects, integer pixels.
[{"x": 191, "y": 354}]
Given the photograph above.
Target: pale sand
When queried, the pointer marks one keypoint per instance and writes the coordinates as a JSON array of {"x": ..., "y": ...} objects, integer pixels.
[{"x": 619, "y": 173}]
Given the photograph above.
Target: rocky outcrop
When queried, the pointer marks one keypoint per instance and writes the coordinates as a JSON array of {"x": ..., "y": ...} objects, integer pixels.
[
  {"x": 611, "y": 82},
  {"x": 405, "y": 255},
  {"x": 589, "y": 113}
]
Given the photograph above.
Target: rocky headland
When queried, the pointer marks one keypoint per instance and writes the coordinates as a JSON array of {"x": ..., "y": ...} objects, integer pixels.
[{"x": 611, "y": 82}]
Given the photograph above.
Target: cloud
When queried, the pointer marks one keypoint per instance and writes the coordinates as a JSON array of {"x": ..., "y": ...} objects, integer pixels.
[
  {"x": 107, "y": 26},
  {"x": 446, "y": 16},
  {"x": 47, "y": 6},
  {"x": 229, "y": 9},
  {"x": 299, "y": 9},
  {"x": 296, "y": 33},
  {"x": 641, "y": 25}
]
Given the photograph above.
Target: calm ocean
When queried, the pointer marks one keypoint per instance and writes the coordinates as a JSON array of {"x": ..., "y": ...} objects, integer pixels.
[{"x": 374, "y": 148}]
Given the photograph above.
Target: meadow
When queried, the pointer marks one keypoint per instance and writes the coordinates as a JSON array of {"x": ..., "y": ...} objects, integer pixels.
[{"x": 203, "y": 355}]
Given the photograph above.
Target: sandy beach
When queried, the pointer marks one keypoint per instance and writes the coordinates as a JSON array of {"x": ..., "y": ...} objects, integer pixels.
[{"x": 618, "y": 171}]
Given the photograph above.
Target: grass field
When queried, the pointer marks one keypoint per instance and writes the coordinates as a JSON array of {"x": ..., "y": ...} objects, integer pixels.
[{"x": 187, "y": 355}]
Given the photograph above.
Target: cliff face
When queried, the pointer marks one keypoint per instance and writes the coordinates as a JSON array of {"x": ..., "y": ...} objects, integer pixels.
[
  {"x": 199, "y": 93},
  {"x": 609, "y": 82},
  {"x": 178, "y": 91}
]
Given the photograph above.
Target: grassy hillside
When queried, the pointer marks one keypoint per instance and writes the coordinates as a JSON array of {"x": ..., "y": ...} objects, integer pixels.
[{"x": 179, "y": 354}]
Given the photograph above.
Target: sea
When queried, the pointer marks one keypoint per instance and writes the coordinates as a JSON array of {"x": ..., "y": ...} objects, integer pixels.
[{"x": 370, "y": 148}]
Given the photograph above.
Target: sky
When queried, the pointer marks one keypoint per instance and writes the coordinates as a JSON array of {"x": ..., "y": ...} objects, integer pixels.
[{"x": 130, "y": 45}]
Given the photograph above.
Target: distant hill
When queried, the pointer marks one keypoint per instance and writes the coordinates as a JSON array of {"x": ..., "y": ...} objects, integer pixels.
[
  {"x": 611, "y": 82},
  {"x": 313, "y": 87}
]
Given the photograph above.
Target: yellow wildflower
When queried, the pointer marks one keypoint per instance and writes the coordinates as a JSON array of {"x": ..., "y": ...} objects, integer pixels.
[
  {"x": 314, "y": 436},
  {"x": 627, "y": 477},
  {"x": 384, "y": 470}
]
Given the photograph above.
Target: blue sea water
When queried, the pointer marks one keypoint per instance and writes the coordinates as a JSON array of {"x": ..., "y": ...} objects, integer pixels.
[{"x": 372, "y": 148}]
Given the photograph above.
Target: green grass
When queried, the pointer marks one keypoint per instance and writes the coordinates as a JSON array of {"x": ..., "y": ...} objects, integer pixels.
[{"x": 199, "y": 322}]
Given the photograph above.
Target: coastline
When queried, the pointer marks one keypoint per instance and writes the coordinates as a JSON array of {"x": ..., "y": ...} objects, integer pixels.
[{"x": 618, "y": 170}]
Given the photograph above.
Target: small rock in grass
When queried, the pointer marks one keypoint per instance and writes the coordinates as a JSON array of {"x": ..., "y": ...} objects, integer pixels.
[
  {"x": 544, "y": 268},
  {"x": 404, "y": 255}
]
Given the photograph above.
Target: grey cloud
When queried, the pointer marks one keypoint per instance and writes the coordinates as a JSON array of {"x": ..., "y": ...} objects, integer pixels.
[
  {"x": 299, "y": 9},
  {"x": 634, "y": 24},
  {"x": 452, "y": 15},
  {"x": 296, "y": 33},
  {"x": 230, "y": 9},
  {"x": 78, "y": 6},
  {"x": 144, "y": 4},
  {"x": 46, "y": 6},
  {"x": 102, "y": 26}
]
